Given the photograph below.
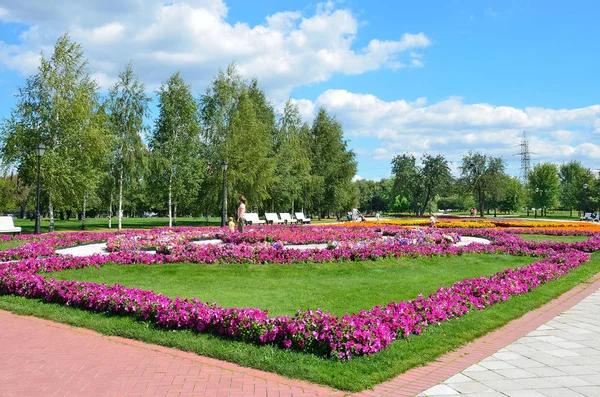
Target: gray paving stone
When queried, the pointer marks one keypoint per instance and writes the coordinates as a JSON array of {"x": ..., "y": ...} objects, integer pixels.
[
  {"x": 589, "y": 391},
  {"x": 484, "y": 375},
  {"x": 503, "y": 385},
  {"x": 524, "y": 393},
  {"x": 569, "y": 381},
  {"x": 561, "y": 392},
  {"x": 515, "y": 373},
  {"x": 543, "y": 372},
  {"x": 537, "y": 383},
  {"x": 440, "y": 390},
  {"x": 496, "y": 364},
  {"x": 472, "y": 387},
  {"x": 458, "y": 378}
]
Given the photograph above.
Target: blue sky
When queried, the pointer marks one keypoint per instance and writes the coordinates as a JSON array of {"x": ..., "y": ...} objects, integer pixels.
[{"x": 430, "y": 77}]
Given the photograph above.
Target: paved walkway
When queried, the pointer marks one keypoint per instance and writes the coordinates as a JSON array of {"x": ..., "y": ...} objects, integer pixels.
[{"x": 561, "y": 357}]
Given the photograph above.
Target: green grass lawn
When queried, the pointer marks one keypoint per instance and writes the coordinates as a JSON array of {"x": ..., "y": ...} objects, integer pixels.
[
  {"x": 283, "y": 289},
  {"x": 10, "y": 244},
  {"x": 543, "y": 237},
  {"x": 101, "y": 224}
]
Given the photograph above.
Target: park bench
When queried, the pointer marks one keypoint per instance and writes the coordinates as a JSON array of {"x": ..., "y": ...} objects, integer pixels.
[
  {"x": 251, "y": 218},
  {"x": 7, "y": 225},
  {"x": 272, "y": 218},
  {"x": 286, "y": 218},
  {"x": 301, "y": 218}
]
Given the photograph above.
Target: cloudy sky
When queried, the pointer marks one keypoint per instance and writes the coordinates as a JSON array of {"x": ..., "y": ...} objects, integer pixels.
[{"x": 437, "y": 77}]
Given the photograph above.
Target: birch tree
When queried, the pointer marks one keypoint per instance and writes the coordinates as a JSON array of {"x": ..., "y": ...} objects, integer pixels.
[
  {"x": 175, "y": 144},
  {"x": 127, "y": 107}
]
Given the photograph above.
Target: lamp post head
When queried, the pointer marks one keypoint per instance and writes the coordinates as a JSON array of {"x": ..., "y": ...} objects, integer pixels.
[
  {"x": 40, "y": 149},
  {"x": 224, "y": 165},
  {"x": 537, "y": 189},
  {"x": 585, "y": 186}
]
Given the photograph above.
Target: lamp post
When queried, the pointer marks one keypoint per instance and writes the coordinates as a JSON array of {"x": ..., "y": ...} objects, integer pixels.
[
  {"x": 39, "y": 151},
  {"x": 585, "y": 194},
  {"x": 224, "y": 209}
]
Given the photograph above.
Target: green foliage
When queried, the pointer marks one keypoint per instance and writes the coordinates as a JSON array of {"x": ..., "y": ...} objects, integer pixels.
[
  {"x": 237, "y": 124},
  {"x": 482, "y": 175},
  {"x": 176, "y": 160},
  {"x": 127, "y": 107},
  {"x": 292, "y": 157},
  {"x": 58, "y": 106},
  {"x": 573, "y": 177},
  {"x": 333, "y": 167},
  {"x": 420, "y": 184},
  {"x": 543, "y": 182}
]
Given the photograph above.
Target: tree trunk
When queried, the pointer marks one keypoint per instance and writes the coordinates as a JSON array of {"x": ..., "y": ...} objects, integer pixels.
[
  {"x": 494, "y": 212},
  {"x": 571, "y": 213},
  {"x": 292, "y": 206},
  {"x": 120, "y": 199},
  {"x": 51, "y": 212},
  {"x": 110, "y": 212},
  {"x": 83, "y": 214},
  {"x": 170, "y": 198},
  {"x": 175, "y": 214}
]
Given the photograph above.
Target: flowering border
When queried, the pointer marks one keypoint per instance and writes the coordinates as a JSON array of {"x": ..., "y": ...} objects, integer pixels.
[{"x": 343, "y": 337}]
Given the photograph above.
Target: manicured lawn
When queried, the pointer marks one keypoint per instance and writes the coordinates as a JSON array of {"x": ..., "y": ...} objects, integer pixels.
[
  {"x": 10, "y": 244},
  {"x": 543, "y": 237},
  {"x": 357, "y": 374},
  {"x": 283, "y": 289},
  {"x": 128, "y": 223}
]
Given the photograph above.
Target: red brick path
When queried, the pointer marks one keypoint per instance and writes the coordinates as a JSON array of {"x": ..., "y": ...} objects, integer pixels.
[{"x": 43, "y": 358}]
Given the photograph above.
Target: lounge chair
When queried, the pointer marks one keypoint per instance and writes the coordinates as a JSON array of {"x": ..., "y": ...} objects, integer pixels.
[
  {"x": 251, "y": 218},
  {"x": 272, "y": 218},
  {"x": 301, "y": 218},
  {"x": 587, "y": 217},
  {"x": 286, "y": 218}
]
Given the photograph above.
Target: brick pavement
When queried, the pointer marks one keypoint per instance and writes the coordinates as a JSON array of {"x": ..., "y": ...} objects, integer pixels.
[{"x": 43, "y": 358}]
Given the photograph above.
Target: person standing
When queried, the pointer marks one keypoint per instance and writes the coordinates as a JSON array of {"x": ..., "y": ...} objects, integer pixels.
[
  {"x": 241, "y": 213},
  {"x": 377, "y": 216},
  {"x": 432, "y": 220}
]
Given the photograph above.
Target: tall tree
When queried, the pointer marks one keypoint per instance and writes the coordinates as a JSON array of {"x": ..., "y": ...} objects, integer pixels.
[
  {"x": 544, "y": 183},
  {"x": 292, "y": 158},
  {"x": 127, "y": 107},
  {"x": 573, "y": 176},
  {"x": 481, "y": 175},
  {"x": 59, "y": 107},
  {"x": 421, "y": 183},
  {"x": 175, "y": 143},
  {"x": 237, "y": 127},
  {"x": 333, "y": 164}
]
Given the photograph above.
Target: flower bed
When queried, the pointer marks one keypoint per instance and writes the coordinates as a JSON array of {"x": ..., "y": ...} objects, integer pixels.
[{"x": 312, "y": 331}]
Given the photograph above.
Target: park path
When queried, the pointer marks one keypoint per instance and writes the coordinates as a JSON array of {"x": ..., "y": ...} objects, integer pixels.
[{"x": 42, "y": 358}]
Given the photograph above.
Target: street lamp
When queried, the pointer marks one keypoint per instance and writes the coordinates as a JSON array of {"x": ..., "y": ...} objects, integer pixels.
[
  {"x": 224, "y": 213},
  {"x": 39, "y": 151},
  {"x": 585, "y": 187}
]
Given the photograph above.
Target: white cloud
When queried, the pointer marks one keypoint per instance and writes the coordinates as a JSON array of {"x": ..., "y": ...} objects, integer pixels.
[
  {"x": 453, "y": 127},
  {"x": 289, "y": 49}
]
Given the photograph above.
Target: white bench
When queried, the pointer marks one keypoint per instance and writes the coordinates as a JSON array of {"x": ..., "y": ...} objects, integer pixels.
[
  {"x": 301, "y": 218},
  {"x": 286, "y": 218},
  {"x": 251, "y": 218},
  {"x": 272, "y": 218},
  {"x": 7, "y": 225}
]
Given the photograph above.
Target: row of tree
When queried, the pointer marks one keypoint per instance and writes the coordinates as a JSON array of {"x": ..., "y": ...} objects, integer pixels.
[
  {"x": 103, "y": 157},
  {"x": 420, "y": 187}
]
